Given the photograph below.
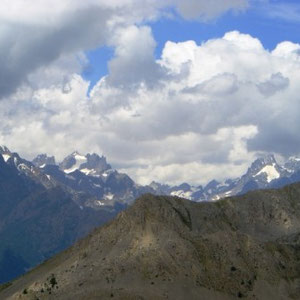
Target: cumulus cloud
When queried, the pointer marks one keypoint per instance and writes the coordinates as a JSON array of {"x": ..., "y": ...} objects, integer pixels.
[
  {"x": 28, "y": 46},
  {"x": 276, "y": 83},
  {"x": 212, "y": 108},
  {"x": 135, "y": 52},
  {"x": 36, "y": 36}
]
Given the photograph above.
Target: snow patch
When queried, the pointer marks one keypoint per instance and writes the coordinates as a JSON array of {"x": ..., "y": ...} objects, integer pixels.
[
  {"x": 182, "y": 194},
  {"x": 288, "y": 170},
  {"x": 295, "y": 158},
  {"x": 216, "y": 198},
  {"x": 80, "y": 159},
  {"x": 107, "y": 173},
  {"x": 270, "y": 171},
  {"x": 6, "y": 157},
  {"x": 88, "y": 172},
  {"x": 108, "y": 196},
  {"x": 99, "y": 203}
]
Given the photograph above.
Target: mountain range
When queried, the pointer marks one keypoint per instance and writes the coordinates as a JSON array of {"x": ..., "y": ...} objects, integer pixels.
[
  {"x": 165, "y": 247},
  {"x": 264, "y": 173},
  {"x": 45, "y": 207},
  {"x": 92, "y": 174}
]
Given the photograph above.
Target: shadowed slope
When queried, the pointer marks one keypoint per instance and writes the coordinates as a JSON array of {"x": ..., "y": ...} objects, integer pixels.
[{"x": 36, "y": 222}]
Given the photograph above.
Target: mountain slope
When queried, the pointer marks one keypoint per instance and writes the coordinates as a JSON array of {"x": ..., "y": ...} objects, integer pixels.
[
  {"x": 170, "y": 248},
  {"x": 36, "y": 220}
]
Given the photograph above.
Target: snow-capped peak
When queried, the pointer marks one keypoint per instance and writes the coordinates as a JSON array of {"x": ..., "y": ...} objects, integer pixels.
[
  {"x": 6, "y": 154},
  {"x": 263, "y": 161},
  {"x": 3, "y": 149},
  {"x": 259, "y": 164},
  {"x": 73, "y": 162},
  {"x": 90, "y": 164}
]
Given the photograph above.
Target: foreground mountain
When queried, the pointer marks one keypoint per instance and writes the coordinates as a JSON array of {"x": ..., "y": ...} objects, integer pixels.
[{"x": 170, "y": 248}]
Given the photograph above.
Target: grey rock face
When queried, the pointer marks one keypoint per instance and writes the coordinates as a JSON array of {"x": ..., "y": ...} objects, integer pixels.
[
  {"x": 43, "y": 159},
  {"x": 293, "y": 165},
  {"x": 99, "y": 164},
  {"x": 68, "y": 162}
]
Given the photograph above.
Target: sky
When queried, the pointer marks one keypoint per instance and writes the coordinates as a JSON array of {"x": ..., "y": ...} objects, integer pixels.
[{"x": 172, "y": 91}]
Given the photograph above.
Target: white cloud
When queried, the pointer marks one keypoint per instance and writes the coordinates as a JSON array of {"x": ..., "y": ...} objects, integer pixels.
[
  {"x": 135, "y": 52},
  {"x": 36, "y": 36},
  {"x": 213, "y": 107},
  {"x": 276, "y": 83}
]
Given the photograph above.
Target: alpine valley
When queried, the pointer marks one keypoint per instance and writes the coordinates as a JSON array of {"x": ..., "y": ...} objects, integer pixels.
[{"x": 45, "y": 207}]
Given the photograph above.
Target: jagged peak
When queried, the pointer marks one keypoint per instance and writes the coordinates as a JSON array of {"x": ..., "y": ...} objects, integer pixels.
[
  {"x": 89, "y": 164},
  {"x": 212, "y": 184},
  {"x": 184, "y": 186},
  {"x": 78, "y": 154},
  {"x": 259, "y": 163},
  {"x": 266, "y": 159},
  {"x": 4, "y": 149},
  {"x": 43, "y": 160},
  {"x": 94, "y": 155},
  {"x": 7, "y": 154}
]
